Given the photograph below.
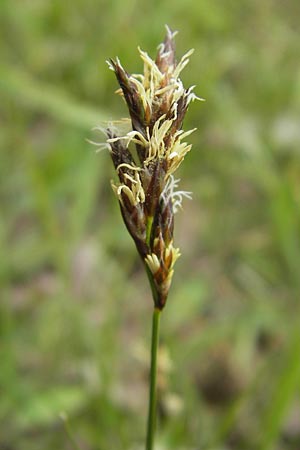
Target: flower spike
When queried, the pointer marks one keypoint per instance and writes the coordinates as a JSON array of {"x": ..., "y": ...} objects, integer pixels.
[{"x": 146, "y": 189}]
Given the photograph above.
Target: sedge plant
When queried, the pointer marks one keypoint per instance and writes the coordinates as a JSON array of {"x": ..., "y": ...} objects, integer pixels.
[{"x": 145, "y": 159}]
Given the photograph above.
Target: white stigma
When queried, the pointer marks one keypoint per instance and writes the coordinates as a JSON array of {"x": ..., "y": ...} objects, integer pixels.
[{"x": 170, "y": 193}]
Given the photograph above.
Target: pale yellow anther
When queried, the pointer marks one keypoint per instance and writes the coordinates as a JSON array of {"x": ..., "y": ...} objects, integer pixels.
[
  {"x": 135, "y": 193},
  {"x": 153, "y": 263},
  {"x": 128, "y": 166},
  {"x": 182, "y": 63}
]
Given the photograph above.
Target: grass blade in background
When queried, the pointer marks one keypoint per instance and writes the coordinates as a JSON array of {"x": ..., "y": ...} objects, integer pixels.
[
  {"x": 40, "y": 96},
  {"x": 285, "y": 392}
]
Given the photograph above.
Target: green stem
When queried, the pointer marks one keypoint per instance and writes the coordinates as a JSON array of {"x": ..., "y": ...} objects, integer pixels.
[
  {"x": 68, "y": 431},
  {"x": 149, "y": 229},
  {"x": 153, "y": 371}
]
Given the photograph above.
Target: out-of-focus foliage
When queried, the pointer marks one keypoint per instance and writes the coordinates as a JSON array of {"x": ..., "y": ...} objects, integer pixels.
[{"x": 75, "y": 305}]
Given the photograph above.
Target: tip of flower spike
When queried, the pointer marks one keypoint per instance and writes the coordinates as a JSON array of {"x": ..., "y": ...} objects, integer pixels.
[
  {"x": 165, "y": 59},
  {"x": 113, "y": 64},
  {"x": 110, "y": 64},
  {"x": 170, "y": 34}
]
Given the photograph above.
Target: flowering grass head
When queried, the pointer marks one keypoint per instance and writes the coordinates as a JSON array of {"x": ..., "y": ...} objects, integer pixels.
[{"x": 146, "y": 158}]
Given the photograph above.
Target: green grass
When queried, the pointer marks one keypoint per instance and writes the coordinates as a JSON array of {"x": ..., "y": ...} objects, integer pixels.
[{"x": 75, "y": 308}]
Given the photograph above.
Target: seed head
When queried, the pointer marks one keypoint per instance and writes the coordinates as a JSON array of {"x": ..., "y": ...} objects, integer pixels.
[{"x": 146, "y": 189}]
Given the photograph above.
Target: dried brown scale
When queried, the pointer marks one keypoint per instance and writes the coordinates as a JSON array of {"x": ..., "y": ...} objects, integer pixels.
[
  {"x": 119, "y": 153},
  {"x": 137, "y": 230},
  {"x": 166, "y": 222},
  {"x": 157, "y": 104},
  {"x": 178, "y": 122},
  {"x": 131, "y": 96},
  {"x": 154, "y": 190},
  {"x": 140, "y": 118},
  {"x": 165, "y": 59}
]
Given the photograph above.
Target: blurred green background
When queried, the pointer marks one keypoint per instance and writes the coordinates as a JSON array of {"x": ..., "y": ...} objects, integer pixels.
[{"x": 75, "y": 307}]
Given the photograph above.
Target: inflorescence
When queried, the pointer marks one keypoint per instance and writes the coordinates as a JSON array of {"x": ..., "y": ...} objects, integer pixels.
[{"x": 146, "y": 158}]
